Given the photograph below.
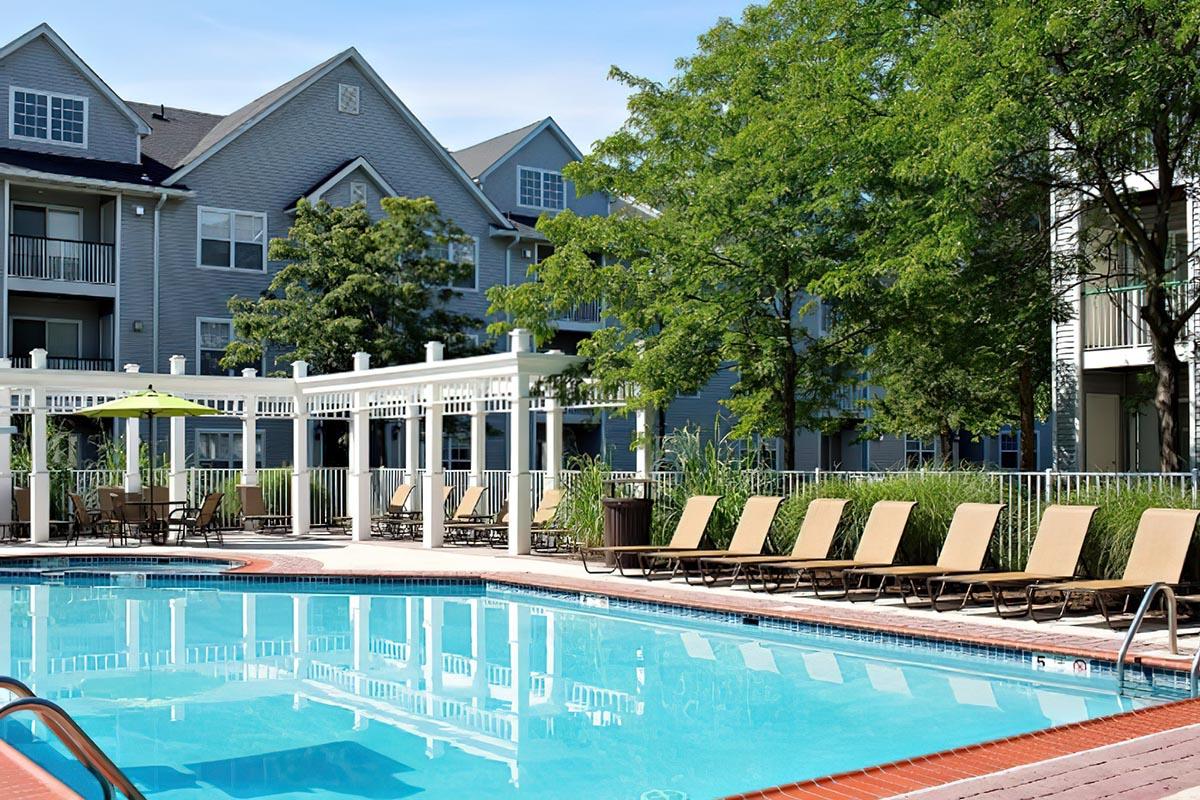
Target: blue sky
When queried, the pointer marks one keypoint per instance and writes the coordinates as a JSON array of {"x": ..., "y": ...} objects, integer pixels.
[{"x": 468, "y": 69}]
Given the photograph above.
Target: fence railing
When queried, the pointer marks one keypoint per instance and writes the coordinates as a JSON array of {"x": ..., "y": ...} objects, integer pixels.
[
  {"x": 1025, "y": 493},
  {"x": 45, "y": 258},
  {"x": 1112, "y": 316}
]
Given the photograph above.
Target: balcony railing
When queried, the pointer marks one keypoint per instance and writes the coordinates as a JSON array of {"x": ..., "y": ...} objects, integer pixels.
[
  {"x": 67, "y": 362},
  {"x": 591, "y": 312},
  {"x": 1112, "y": 316},
  {"x": 47, "y": 259}
]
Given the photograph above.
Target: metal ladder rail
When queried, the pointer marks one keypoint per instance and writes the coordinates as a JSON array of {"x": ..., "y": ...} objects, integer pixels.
[
  {"x": 1172, "y": 631},
  {"x": 64, "y": 726}
]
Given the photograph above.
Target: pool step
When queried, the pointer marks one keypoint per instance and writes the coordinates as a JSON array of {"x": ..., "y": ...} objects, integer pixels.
[{"x": 21, "y": 779}]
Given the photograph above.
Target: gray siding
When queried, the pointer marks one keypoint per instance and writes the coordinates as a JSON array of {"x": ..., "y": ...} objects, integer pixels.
[
  {"x": 135, "y": 296},
  {"x": 111, "y": 135},
  {"x": 545, "y": 151}
]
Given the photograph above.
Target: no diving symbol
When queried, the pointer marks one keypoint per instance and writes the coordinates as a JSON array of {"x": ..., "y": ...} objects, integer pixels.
[{"x": 664, "y": 794}]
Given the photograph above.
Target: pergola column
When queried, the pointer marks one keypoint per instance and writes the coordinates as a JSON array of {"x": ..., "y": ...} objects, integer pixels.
[
  {"x": 358, "y": 483},
  {"x": 177, "y": 484},
  {"x": 554, "y": 442},
  {"x": 133, "y": 446},
  {"x": 39, "y": 470},
  {"x": 301, "y": 484},
  {"x": 433, "y": 644},
  {"x": 519, "y": 500},
  {"x": 249, "y": 627},
  {"x": 133, "y": 634},
  {"x": 412, "y": 451},
  {"x": 6, "y": 475},
  {"x": 478, "y": 441},
  {"x": 433, "y": 522},
  {"x": 178, "y": 606},
  {"x": 646, "y": 429},
  {"x": 250, "y": 434}
]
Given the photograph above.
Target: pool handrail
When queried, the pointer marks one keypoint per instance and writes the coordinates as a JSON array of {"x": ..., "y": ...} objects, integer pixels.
[
  {"x": 1172, "y": 627},
  {"x": 64, "y": 726}
]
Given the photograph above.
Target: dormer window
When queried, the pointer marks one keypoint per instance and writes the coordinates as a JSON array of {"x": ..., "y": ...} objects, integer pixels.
[
  {"x": 540, "y": 188},
  {"x": 47, "y": 117},
  {"x": 347, "y": 98}
]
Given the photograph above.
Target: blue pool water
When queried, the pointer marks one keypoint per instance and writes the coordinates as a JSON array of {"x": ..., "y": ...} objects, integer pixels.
[{"x": 215, "y": 689}]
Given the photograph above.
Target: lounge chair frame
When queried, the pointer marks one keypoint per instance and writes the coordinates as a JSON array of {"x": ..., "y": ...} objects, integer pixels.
[{"x": 689, "y": 534}]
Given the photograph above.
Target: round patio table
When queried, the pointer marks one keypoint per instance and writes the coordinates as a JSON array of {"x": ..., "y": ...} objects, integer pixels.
[{"x": 154, "y": 524}]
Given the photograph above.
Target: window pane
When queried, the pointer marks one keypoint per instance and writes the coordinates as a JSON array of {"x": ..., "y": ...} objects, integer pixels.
[
  {"x": 552, "y": 190},
  {"x": 62, "y": 339},
  {"x": 210, "y": 362},
  {"x": 66, "y": 120},
  {"x": 530, "y": 188},
  {"x": 30, "y": 115},
  {"x": 248, "y": 228},
  {"x": 215, "y": 334},
  {"x": 214, "y": 225},
  {"x": 248, "y": 256},
  {"x": 214, "y": 253}
]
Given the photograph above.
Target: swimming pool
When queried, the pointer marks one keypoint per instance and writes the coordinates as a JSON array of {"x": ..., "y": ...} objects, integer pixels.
[{"x": 212, "y": 687}]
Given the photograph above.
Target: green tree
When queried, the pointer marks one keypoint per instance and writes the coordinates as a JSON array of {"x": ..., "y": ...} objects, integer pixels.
[
  {"x": 717, "y": 278},
  {"x": 1114, "y": 87},
  {"x": 350, "y": 284}
]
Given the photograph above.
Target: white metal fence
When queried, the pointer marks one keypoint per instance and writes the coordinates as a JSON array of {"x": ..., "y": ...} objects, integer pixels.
[{"x": 1025, "y": 493}]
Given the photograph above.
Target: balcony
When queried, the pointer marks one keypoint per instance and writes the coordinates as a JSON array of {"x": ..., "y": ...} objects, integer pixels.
[
  {"x": 67, "y": 362},
  {"x": 41, "y": 258},
  {"x": 1111, "y": 316},
  {"x": 584, "y": 317}
]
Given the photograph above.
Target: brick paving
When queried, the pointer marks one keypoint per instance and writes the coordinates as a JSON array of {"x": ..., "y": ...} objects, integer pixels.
[{"x": 21, "y": 779}]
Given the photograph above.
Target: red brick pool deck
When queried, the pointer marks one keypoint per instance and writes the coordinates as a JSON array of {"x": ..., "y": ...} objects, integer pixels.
[{"x": 1149, "y": 753}]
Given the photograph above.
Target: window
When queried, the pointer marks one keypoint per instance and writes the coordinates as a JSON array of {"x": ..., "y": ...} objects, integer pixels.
[
  {"x": 1010, "y": 448},
  {"x": 918, "y": 452},
  {"x": 358, "y": 192},
  {"x": 212, "y": 337},
  {"x": 232, "y": 239},
  {"x": 539, "y": 188},
  {"x": 347, "y": 98},
  {"x": 456, "y": 452},
  {"x": 47, "y": 117},
  {"x": 223, "y": 449},
  {"x": 61, "y": 338},
  {"x": 458, "y": 253}
]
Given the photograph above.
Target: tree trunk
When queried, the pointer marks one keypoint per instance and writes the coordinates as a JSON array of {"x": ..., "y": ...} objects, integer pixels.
[
  {"x": 946, "y": 447},
  {"x": 789, "y": 413},
  {"x": 1028, "y": 420},
  {"x": 1166, "y": 373}
]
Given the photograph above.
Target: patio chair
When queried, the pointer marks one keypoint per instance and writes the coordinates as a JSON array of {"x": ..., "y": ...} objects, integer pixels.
[
  {"x": 466, "y": 514},
  {"x": 396, "y": 509},
  {"x": 749, "y": 538},
  {"x": 255, "y": 514},
  {"x": 19, "y": 527},
  {"x": 544, "y": 537},
  {"x": 1160, "y": 546},
  {"x": 131, "y": 519},
  {"x": 83, "y": 520},
  {"x": 689, "y": 533},
  {"x": 203, "y": 520},
  {"x": 822, "y": 519},
  {"x": 877, "y": 547},
  {"x": 1053, "y": 558},
  {"x": 396, "y": 526},
  {"x": 965, "y": 547}
]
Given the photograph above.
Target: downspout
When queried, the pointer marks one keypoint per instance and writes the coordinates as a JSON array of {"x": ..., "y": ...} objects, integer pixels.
[{"x": 162, "y": 199}]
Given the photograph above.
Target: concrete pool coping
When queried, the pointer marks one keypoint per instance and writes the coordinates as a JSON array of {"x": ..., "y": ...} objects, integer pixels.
[{"x": 935, "y": 770}]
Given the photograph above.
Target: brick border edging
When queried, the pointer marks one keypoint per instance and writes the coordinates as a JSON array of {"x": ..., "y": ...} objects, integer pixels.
[{"x": 986, "y": 758}]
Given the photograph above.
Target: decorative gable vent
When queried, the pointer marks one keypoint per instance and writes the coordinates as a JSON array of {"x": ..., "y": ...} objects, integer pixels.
[
  {"x": 358, "y": 192},
  {"x": 347, "y": 98}
]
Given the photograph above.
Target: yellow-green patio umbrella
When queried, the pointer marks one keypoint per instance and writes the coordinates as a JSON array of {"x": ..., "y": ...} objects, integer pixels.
[{"x": 147, "y": 405}]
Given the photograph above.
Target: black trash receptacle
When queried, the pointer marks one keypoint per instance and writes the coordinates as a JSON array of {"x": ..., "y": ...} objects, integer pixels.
[{"x": 626, "y": 519}]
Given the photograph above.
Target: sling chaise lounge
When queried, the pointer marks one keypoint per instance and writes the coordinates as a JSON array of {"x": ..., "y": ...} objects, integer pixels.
[
  {"x": 466, "y": 515},
  {"x": 964, "y": 549},
  {"x": 1160, "y": 547},
  {"x": 749, "y": 538},
  {"x": 254, "y": 511},
  {"x": 815, "y": 538},
  {"x": 1053, "y": 558},
  {"x": 689, "y": 533},
  {"x": 876, "y": 548}
]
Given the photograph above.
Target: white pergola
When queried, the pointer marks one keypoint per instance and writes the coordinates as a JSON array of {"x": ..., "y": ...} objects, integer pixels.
[{"x": 514, "y": 383}]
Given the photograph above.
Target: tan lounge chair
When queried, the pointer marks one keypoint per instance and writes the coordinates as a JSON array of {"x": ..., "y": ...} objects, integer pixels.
[
  {"x": 1053, "y": 558},
  {"x": 821, "y": 521},
  {"x": 395, "y": 525},
  {"x": 1160, "y": 547},
  {"x": 254, "y": 511},
  {"x": 876, "y": 548},
  {"x": 689, "y": 533},
  {"x": 466, "y": 515},
  {"x": 964, "y": 549},
  {"x": 495, "y": 532},
  {"x": 749, "y": 538}
]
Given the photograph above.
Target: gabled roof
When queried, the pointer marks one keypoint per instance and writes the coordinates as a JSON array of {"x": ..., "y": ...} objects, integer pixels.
[
  {"x": 314, "y": 192},
  {"x": 249, "y": 115},
  {"x": 55, "y": 41},
  {"x": 176, "y": 135},
  {"x": 479, "y": 160}
]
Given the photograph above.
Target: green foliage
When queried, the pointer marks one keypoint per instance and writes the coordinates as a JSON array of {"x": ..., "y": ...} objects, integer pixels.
[
  {"x": 579, "y": 510},
  {"x": 1108, "y": 544},
  {"x": 350, "y": 285}
]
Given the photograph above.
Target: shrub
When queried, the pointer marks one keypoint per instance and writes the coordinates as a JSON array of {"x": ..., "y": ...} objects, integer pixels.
[
  {"x": 579, "y": 510},
  {"x": 1110, "y": 539}
]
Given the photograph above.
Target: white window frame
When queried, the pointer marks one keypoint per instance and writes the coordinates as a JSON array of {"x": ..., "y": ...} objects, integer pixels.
[
  {"x": 1015, "y": 435},
  {"x": 12, "y": 117},
  {"x": 458, "y": 442},
  {"x": 229, "y": 321},
  {"x": 232, "y": 212},
  {"x": 230, "y": 432},
  {"x": 920, "y": 450},
  {"x": 541, "y": 188},
  {"x": 78, "y": 323},
  {"x": 474, "y": 288}
]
